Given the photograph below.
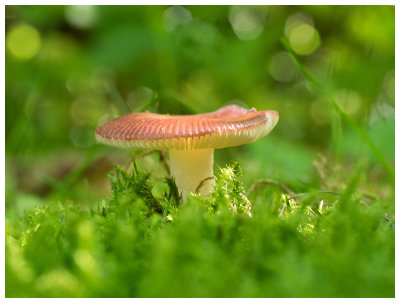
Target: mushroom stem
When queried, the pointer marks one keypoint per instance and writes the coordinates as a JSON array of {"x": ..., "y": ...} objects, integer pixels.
[{"x": 190, "y": 167}]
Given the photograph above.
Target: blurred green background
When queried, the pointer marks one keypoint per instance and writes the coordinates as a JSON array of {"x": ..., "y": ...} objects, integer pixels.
[{"x": 71, "y": 68}]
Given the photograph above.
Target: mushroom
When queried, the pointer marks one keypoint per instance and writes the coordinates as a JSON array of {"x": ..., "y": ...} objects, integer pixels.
[{"x": 191, "y": 139}]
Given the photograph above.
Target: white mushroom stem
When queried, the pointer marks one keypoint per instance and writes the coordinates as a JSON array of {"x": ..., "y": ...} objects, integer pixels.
[{"x": 190, "y": 168}]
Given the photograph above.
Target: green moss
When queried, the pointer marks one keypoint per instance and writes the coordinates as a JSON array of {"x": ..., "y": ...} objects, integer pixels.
[{"x": 136, "y": 245}]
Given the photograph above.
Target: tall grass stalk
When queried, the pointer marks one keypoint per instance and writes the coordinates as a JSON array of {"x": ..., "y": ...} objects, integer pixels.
[{"x": 336, "y": 125}]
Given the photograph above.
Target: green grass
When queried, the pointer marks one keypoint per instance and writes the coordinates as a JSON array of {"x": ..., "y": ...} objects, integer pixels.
[{"x": 143, "y": 242}]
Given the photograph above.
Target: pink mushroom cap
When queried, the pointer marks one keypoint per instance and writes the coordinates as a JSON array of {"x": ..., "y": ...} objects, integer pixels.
[{"x": 231, "y": 125}]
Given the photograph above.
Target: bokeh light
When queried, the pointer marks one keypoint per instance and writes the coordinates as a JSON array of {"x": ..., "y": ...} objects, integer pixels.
[
  {"x": 389, "y": 85},
  {"x": 380, "y": 110},
  {"x": 81, "y": 16},
  {"x": 282, "y": 68},
  {"x": 348, "y": 100},
  {"x": 247, "y": 22},
  {"x": 303, "y": 37},
  {"x": 175, "y": 16},
  {"x": 362, "y": 25},
  {"x": 23, "y": 42}
]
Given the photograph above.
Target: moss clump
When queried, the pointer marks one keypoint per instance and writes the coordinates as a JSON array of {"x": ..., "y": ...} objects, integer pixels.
[{"x": 138, "y": 245}]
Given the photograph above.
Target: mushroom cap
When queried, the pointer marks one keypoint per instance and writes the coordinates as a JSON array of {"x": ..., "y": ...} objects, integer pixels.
[{"x": 231, "y": 125}]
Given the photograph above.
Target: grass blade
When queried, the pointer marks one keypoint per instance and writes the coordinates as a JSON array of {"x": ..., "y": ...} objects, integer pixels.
[{"x": 351, "y": 122}]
